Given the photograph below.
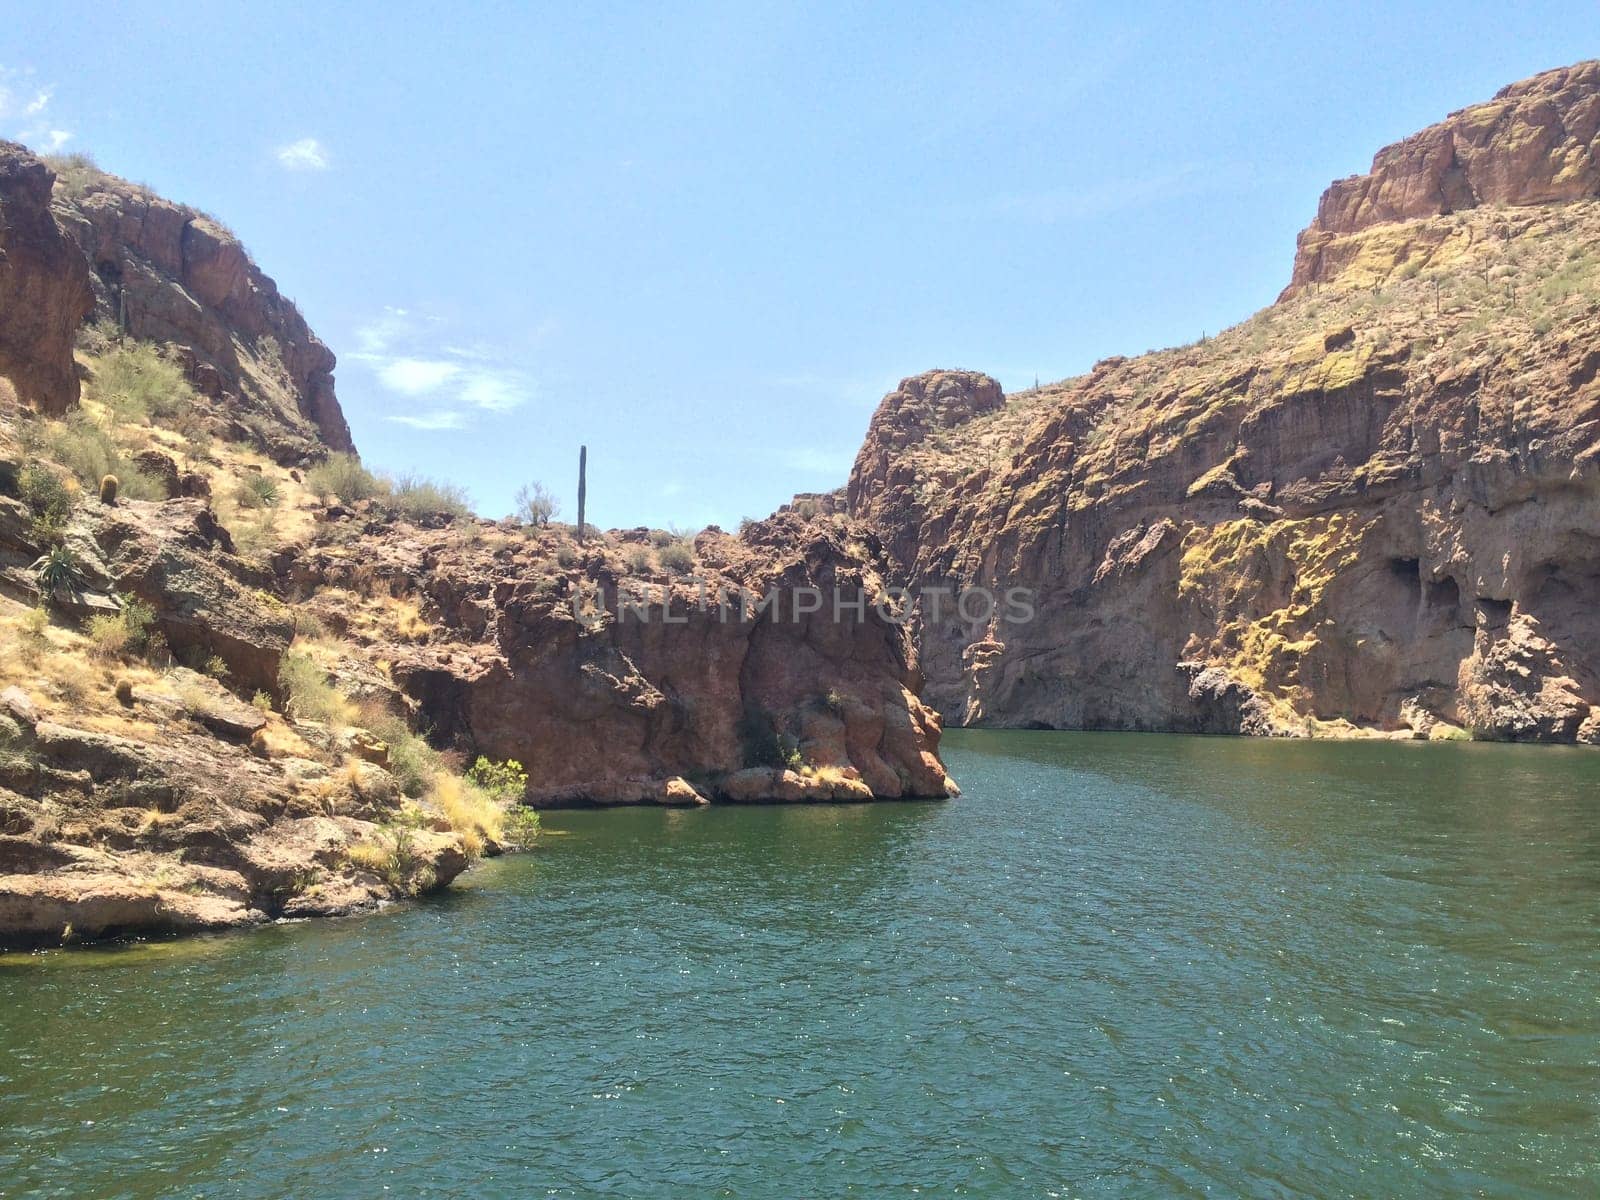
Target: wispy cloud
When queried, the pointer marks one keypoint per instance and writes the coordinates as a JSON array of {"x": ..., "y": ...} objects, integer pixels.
[
  {"x": 412, "y": 356},
  {"x": 443, "y": 418},
  {"x": 417, "y": 376},
  {"x": 307, "y": 154},
  {"x": 25, "y": 109}
]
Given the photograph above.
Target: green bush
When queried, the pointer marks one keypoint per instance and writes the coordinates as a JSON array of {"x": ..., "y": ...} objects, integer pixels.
[
  {"x": 137, "y": 383},
  {"x": 45, "y": 493},
  {"x": 87, "y": 451},
  {"x": 640, "y": 561},
  {"x": 257, "y": 490},
  {"x": 677, "y": 558},
  {"x": 342, "y": 477},
  {"x": 311, "y": 693},
  {"x": 127, "y": 632},
  {"x": 522, "y": 827},
  {"x": 416, "y": 496},
  {"x": 504, "y": 781},
  {"x": 413, "y": 763},
  {"x": 57, "y": 572}
]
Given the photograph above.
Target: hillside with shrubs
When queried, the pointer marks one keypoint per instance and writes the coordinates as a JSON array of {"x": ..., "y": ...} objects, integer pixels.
[{"x": 245, "y": 676}]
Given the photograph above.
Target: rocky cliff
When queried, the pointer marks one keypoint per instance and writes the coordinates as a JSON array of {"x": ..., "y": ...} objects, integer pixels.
[
  {"x": 1371, "y": 508},
  {"x": 241, "y": 677}
]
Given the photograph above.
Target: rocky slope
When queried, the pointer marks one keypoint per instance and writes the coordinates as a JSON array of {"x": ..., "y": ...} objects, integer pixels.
[
  {"x": 246, "y": 679},
  {"x": 1371, "y": 508}
]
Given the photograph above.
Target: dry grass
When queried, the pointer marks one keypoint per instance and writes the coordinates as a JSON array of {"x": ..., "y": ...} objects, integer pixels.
[{"x": 475, "y": 817}]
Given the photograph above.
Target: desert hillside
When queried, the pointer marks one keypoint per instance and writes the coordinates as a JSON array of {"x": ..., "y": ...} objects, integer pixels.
[{"x": 244, "y": 677}]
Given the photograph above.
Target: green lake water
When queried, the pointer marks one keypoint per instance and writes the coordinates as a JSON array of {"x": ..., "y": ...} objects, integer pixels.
[{"x": 1119, "y": 966}]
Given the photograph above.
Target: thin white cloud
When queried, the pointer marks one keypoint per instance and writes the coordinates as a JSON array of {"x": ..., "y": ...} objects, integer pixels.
[
  {"x": 412, "y": 356},
  {"x": 417, "y": 376},
  {"x": 307, "y": 154},
  {"x": 494, "y": 390},
  {"x": 24, "y": 101},
  {"x": 438, "y": 419}
]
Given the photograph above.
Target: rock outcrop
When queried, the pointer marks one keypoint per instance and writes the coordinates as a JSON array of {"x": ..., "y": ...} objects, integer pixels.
[
  {"x": 1372, "y": 508},
  {"x": 44, "y": 287},
  {"x": 1534, "y": 143},
  {"x": 613, "y": 685},
  {"x": 167, "y": 273}
]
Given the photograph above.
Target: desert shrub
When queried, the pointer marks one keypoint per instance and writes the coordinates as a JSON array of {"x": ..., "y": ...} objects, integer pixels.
[
  {"x": 567, "y": 556},
  {"x": 32, "y": 637},
  {"x": 137, "y": 383},
  {"x": 677, "y": 558},
  {"x": 261, "y": 702},
  {"x": 45, "y": 493},
  {"x": 392, "y": 856},
  {"x": 126, "y": 632},
  {"x": 536, "y": 504},
  {"x": 342, "y": 477},
  {"x": 417, "y": 496},
  {"x": 77, "y": 173},
  {"x": 311, "y": 694},
  {"x": 505, "y": 781},
  {"x": 522, "y": 827},
  {"x": 308, "y": 624},
  {"x": 89, "y": 455},
  {"x": 257, "y": 490},
  {"x": 413, "y": 763},
  {"x": 474, "y": 815},
  {"x": 57, "y": 572},
  {"x": 639, "y": 559},
  {"x": 108, "y": 637}
]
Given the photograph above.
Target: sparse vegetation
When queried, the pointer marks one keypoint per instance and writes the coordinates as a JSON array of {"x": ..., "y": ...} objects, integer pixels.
[
  {"x": 137, "y": 383},
  {"x": 536, "y": 504},
  {"x": 522, "y": 827},
  {"x": 418, "y": 497},
  {"x": 46, "y": 494},
  {"x": 640, "y": 561},
  {"x": 57, "y": 573},
  {"x": 127, "y": 632},
  {"x": 257, "y": 490},
  {"x": 342, "y": 477},
  {"x": 677, "y": 557},
  {"x": 504, "y": 781},
  {"x": 311, "y": 694}
]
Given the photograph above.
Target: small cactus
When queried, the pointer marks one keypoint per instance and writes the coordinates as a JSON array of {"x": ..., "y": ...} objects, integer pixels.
[{"x": 108, "y": 490}]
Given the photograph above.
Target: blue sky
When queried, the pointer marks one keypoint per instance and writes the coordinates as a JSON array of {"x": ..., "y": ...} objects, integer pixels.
[{"x": 705, "y": 239}]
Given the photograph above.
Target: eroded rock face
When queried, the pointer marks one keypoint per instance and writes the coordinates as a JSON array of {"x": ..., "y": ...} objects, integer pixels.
[
  {"x": 167, "y": 273},
  {"x": 1534, "y": 143},
  {"x": 608, "y": 703},
  {"x": 44, "y": 286},
  {"x": 1374, "y": 508}
]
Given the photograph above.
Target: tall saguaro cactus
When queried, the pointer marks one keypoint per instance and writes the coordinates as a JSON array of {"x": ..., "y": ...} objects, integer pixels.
[{"x": 583, "y": 487}]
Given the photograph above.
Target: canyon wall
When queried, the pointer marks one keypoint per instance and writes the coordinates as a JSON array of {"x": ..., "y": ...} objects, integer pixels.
[{"x": 1373, "y": 508}]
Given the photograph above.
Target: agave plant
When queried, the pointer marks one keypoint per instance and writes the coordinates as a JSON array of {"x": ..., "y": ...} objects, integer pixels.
[{"x": 57, "y": 571}]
